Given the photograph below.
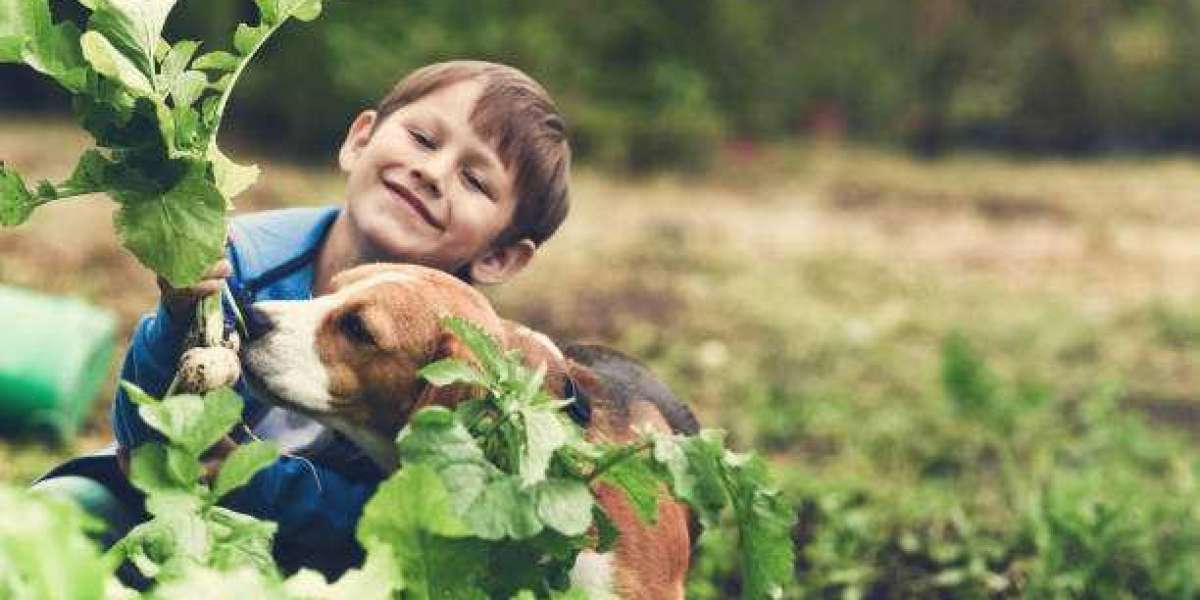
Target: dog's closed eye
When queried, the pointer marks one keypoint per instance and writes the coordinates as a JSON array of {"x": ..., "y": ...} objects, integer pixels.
[{"x": 355, "y": 328}]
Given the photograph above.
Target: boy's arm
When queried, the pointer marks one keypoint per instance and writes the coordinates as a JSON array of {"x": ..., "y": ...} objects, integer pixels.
[{"x": 149, "y": 364}]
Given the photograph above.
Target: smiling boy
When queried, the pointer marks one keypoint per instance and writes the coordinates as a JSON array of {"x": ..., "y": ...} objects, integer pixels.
[{"x": 462, "y": 167}]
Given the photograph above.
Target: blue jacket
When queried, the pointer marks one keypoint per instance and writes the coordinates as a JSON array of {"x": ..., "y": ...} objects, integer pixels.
[{"x": 317, "y": 499}]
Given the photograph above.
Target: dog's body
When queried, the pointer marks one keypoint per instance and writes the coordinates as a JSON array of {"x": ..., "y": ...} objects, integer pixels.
[{"x": 350, "y": 359}]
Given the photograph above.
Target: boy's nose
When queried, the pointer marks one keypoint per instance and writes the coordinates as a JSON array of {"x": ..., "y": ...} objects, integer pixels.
[{"x": 426, "y": 180}]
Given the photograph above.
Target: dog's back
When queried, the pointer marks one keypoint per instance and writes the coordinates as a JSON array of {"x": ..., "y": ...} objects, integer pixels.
[{"x": 625, "y": 381}]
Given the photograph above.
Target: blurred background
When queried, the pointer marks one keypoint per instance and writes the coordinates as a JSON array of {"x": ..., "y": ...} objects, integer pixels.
[{"x": 937, "y": 259}]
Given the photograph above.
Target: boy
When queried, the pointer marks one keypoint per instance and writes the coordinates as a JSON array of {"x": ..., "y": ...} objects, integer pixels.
[{"x": 462, "y": 167}]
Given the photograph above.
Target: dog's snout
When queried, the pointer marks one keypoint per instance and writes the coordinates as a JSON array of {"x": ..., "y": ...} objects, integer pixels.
[{"x": 258, "y": 322}]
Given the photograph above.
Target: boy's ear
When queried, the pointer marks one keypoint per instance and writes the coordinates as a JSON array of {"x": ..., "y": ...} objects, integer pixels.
[
  {"x": 357, "y": 137},
  {"x": 498, "y": 265}
]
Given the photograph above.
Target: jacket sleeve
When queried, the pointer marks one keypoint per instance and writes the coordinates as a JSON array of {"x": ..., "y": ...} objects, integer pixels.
[
  {"x": 316, "y": 507},
  {"x": 149, "y": 364}
]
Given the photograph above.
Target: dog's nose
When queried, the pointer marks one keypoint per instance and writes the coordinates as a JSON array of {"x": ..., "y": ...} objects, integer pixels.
[{"x": 258, "y": 323}]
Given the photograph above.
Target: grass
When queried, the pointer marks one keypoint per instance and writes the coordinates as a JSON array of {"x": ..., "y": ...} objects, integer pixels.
[{"x": 976, "y": 376}]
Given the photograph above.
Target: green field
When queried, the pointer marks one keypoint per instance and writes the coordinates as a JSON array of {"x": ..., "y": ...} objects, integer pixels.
[{"x": 974, "y": 376}]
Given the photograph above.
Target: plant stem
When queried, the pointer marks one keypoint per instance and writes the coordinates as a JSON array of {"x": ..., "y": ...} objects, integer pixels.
[{"x": 623, "y": 455}]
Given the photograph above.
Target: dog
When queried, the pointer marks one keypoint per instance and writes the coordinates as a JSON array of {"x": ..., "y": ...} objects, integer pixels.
[{"x": 349, "y": 359}]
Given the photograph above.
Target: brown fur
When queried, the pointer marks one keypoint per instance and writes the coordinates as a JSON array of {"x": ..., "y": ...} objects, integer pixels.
[{"x": 375, "y": 386}]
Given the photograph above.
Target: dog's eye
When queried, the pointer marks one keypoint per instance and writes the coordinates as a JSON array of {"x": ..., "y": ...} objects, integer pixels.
[{"x": 353, "y": 326}]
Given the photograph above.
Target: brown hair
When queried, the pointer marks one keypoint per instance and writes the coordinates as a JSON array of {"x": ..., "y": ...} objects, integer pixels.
[{"x": 517, "y": 117}]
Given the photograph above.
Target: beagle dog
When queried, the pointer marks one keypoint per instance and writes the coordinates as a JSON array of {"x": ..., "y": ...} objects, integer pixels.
[{"x": 349, "y": 359}]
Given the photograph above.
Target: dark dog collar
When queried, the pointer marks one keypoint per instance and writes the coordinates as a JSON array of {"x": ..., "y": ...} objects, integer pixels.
[{"x": 579, "y": 409}]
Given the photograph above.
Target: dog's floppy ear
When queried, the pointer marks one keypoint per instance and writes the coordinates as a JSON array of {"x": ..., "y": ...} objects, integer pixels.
[{"x": 448, "y": 346}]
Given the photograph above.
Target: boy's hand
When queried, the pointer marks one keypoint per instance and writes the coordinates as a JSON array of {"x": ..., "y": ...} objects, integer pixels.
[{"x": 181, "y": 302}]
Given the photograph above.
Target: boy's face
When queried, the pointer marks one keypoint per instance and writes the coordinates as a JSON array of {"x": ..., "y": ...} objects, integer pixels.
[{"x": 424, "y": 188}]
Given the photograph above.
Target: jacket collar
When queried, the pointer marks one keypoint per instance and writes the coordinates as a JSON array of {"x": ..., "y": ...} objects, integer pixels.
[{"x": 271, "y": 245}]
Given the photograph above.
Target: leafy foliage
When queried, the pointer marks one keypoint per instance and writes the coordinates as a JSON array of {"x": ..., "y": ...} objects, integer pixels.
[{"x": 154, "y": 113}]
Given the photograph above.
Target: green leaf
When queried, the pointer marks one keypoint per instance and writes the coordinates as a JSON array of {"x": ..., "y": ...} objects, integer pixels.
[
  {"x": 247, "y": 37},
  {"x": 565, "y": 505},
  {"x": 108, "y": 61},
  {"x": 28, "y": 35},
  {"x": 148, "y": 470},
  {"x": 641, "y": 484},
  {"x": 134, "y": 27},
  {"x": 89, "y": 176},
  {"x": 694, "y": 463},
  {"x": 137, "y": 395},
  {"x": 545, "y": 432},
  {"x": 16, "y": 201},
  {"x": 45, "y": 551},
  {"x": 185, "y": 90},
  {"x": 216, "y": 61},
  {"x": 242, "y": 464},
  {"x": 451, "y": 370},
  {"x": 231, "y": 178},
  {"x": 176, "y": 61},
  {"x": 504, "y": 509},
  {"x": 240, "y": 540},
  {"x": 378, "y": 579},
  {"x": 194, "y": 423},
  {"x": 179, "y": 233},
  {"x": 436, "y": 438},
  {"x": 410, "y": 514},
  {"x": 183, "y": 467},
  {"x": 764, "y": 523},
  {"x": 275, "y": 11},
  {"x": 485, "y": 349}
]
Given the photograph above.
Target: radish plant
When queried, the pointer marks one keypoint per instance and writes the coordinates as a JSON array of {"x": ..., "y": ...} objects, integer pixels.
[{"x": 154, "y": 109}]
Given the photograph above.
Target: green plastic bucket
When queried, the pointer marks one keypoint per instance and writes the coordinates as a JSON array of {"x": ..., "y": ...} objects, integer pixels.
[{"x": 54, "y": 353}]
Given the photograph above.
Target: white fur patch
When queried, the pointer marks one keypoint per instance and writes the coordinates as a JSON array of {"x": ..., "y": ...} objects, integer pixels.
[
  {"x": 286, "y": 358},
  {"x": 593, "y": 573}
]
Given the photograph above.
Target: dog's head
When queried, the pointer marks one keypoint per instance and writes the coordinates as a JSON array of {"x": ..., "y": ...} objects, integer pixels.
[{"x": 350, "y": 358}]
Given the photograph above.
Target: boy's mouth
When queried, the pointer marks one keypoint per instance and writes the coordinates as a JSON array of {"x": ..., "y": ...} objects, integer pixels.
[{"x": 405, "y": 195}]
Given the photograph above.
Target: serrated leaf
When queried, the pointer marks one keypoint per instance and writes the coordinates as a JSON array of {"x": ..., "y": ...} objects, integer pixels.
[
  {"x": 764, "y": 523},
  {"x": 16, "y": 201},
  {"x": 694, "y": 463},
  {"x": 247, "y": 37},
  {"x": 640, "y": 483},
  {"x": 545, "y": 432},
  {"x": 216, "y": 61},
  {"x": 449, "y": 371},
  {"x": 483, "y": 347},
  {"x": 242, "y": 464},
  {"x": 504, "y": 509},
  {"x": 231, "y": 178},
  {"x": 180, "y": 233},
  {"x": 565, "y": 505},
  {"x": 108, "y": 61},
  {"x": 89, "y": 176},
  {"x": 134, "y": 28}
]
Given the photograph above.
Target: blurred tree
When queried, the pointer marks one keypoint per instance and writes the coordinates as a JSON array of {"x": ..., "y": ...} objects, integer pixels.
[{"x": 659, "y": 83}]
